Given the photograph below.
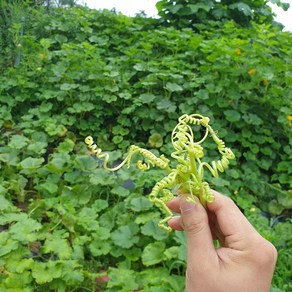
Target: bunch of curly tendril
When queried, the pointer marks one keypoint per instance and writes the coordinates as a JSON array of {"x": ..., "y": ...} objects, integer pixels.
[{"x": 189, "y": 172}]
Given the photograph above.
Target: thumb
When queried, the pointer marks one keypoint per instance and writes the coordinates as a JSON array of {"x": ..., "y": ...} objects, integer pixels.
[{"x": 200, "y": 248}]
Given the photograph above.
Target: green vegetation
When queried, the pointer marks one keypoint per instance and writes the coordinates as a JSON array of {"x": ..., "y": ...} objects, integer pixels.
[
  {"x": 201, "y": 14},
  {"x": 65, "y": 222}
]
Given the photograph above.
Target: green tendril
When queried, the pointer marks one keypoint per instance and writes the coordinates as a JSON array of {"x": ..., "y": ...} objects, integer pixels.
[{"x": 189, "y": 171}]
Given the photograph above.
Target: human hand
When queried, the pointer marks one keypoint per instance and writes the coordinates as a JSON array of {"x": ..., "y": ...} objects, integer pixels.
[{"x": 244, "y": 262}]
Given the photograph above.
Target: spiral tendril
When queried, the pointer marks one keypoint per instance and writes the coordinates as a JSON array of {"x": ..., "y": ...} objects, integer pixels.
[{"x": 189, "y": 171}]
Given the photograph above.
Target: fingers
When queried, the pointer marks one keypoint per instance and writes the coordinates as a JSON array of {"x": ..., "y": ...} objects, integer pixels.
[
  {"x": 175, "y": 223},
  {"x": 232, "y": 224},
  {"x": 194, "y": 220},
  {"x": 174, "y": 205},
  {"x": 226, "y": 221}
]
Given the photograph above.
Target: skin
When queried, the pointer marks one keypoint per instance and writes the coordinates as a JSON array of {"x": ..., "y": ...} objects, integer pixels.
[{"x": 244, "y": 262}]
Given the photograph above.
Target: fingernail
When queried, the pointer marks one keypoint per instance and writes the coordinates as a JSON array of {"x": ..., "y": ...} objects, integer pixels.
[{"x": 186, "y": 206}]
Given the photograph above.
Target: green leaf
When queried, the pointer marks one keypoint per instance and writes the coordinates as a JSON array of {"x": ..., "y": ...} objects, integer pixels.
[
  {"x": 166, "y": 105},
  {"x": 85, "y": 163},
  {"x": 232, "y": 116},
  {"x": 140, "y": 67},
  {"x": 145, "y": 217},
  {"x": 103, "y": 40},
  {"x": 173, "y": 87},
  {"x": 175, "y": 8},
  {"x": 49, "y": 186},
  {"x": 118, "y": 139},
  {"x": 147, "y": 98},
  {"x": 180, "y": 238},
  {"x": 202, "y": 94},
  {"x": 120, "y": 191},
  {"x": 60, "y": 38},
  {"x": 140, "y": 204},
  {"x": 5, "y": 205},
  {"x": 194, "y": 7},
  {"x": 25, "y": 230},
  {"x": 101, "y": 177},
  {"x": 78, "y": 252},
  {"x": 12, "y": 217},
  {"x": 273, "y": 289},
  {"x": 155, "y": 140},
  {"x": 154, "y": 277},
  {"x": 119, "y": 130},
  {"x": 265, "y": 164},
  {"x": 17, "y": 282},
  {"x": 99, "y": 205},
  {"x": 242, "y": 7},
  {"x": 59, "y": 163},
  {"x": 250, "y": 156},
  {"x": 31, "y": 163},
  {"x": 39, "y": 137},
  {"x": 125, "y": 236},
  {"x": 99, "y": 247},
  {"x": 233, "y": 173},
  {"x": 284, "y": 166},
  {"x": 46, "y": 272},
  {"x": 38, "y": 147},
  {"x": 70, "y": 273},
  {"x": 133, "y": 254},
  {"x": 66, "y": 146},
  {"x": 18, "y": 142},
  {"x": 151, "y": 229},
  {"x": 3, "y": 191},
  {"x": 86, "y": 218},
  {"x": 45, "y": 107},
  {"x": 254, "y": 148},
  {"x": 81, "y": 107},
  {"x": 7, "y": 244},
  {"x": 172, "y": 252},
  {"x": 125, "y": 95},
  {"x": 55, "y": 129},
  {"x": 153, "y": 253},
  {"x": 58, "y": 246},
  {"x": 275, "y": 208},
  {"x": 101, "y": 233},
  {"x": 284, "y": 178},
  {"x": 68, "y": 86},
  {"x": 286, "y": 201},
  {"x": 246, "y": 133},
  {"x": 23, "y": 265},
  {"x": 252, "y": 119},
  {"x": 122, "y": 278},
  {"x": 10, "y": 158}
]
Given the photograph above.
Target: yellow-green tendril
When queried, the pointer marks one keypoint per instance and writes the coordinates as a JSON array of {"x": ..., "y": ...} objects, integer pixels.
[{"x": 189, "y": 171}]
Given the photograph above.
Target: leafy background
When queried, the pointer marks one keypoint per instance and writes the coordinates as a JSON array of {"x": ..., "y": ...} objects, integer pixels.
[{"x": 66, "y": 224}]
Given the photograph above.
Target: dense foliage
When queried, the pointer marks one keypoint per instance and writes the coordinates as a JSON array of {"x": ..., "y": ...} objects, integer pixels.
[
  {"x": 203, "y": 13},
  {"x": 13, "y": 22},
  {"x": 66, "y": 223}
]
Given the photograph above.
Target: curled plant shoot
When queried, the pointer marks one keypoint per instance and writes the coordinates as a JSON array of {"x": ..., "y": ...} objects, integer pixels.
[{"x": 189, "y": 171}]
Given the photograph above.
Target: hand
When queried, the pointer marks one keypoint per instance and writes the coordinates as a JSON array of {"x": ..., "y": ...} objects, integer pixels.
[{"x": 244, "y": 262}]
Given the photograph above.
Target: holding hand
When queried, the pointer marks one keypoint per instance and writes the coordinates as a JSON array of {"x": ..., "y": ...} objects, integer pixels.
[{"x": 244, "y": 262}]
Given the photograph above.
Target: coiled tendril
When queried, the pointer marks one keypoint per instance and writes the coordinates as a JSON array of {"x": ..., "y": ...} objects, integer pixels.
[{"x": 189, "y": 172}]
